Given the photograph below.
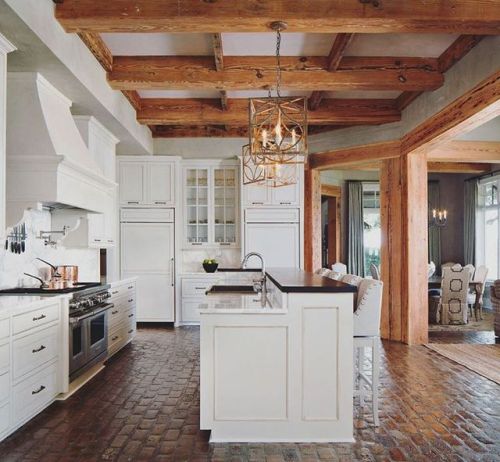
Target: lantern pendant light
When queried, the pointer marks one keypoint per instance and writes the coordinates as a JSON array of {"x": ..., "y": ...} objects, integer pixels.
[{"x": 278, "y": 125}]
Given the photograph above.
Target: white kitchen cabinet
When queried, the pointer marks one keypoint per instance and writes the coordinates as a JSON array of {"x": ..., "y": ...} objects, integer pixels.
[
  {"x": 193, "y": 294},
  {"x": 147, "y": 253},
  {"x": 255, "y": 195},
  {"x": 211, "y": 204},
  {"x": 122, "y": 317},
  {"x": 278, "y": 243},
  {"x": 147, "y": 183}
]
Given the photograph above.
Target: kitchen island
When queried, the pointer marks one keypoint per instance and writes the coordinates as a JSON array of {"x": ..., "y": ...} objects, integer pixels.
[{"x": 279, "y": 369}]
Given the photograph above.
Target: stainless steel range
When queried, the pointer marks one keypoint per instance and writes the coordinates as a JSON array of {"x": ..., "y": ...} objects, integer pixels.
[{"x": 88, "y": 328}]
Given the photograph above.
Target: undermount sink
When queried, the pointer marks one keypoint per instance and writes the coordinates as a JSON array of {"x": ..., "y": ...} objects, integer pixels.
[{"x": 231, "y": 289}]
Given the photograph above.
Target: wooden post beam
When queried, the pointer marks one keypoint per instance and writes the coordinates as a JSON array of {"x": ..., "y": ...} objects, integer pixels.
[
  {"x": 466, "y": 151},
  {"x": 312, "y": 219},
  {"x": 318, "y": 16}
]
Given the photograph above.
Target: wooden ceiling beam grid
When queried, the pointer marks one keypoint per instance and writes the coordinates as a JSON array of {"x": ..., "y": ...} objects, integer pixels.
[
  {"x": 201, "y": 111},
  {"x": 458, "y": 167},
  {"x": 318, "y": 16},
  {"x": 339, "y": 46}
]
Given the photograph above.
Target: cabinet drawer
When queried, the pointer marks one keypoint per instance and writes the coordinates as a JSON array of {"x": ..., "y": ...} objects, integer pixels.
[
  {"x": 190, "y": 310},
  {"x": 34, "y": 393},
  {"x": 4, "y": 356},
  {"x": 197, "y": 287},
  {"x": 272, "y": 215},
  {"x": 4, "y": 328},
  {"x": 121, "y": 291},
  {"x": 4, "y": 417},
  {"x": 4, "y": 386},
  {"x": 129, "y": 330},
  {"x": 115, "y": 339},
  {"x": 147, "y": 215},
  {"x": 35, "y": 318},
  {"x": 34, "y": 350}
]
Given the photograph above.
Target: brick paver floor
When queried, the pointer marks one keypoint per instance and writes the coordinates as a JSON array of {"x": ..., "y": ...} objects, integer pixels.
[{"x": 145, "y": 406}]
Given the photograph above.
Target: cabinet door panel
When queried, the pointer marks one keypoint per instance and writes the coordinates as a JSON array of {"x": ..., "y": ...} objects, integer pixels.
[
  {"x": 254, "y": 195},
  {"x": 147, "y": 248},
  {"x": 277, "y": 242},
  {"x": 287, "y": 195},
  {"x": 161, "y": 184},
  {"x": 155, "y": 297},
  {"x": 131, "y": 183}
]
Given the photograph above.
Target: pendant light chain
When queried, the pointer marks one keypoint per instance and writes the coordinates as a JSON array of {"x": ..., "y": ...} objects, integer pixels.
[{"x": 278, "y": 62}]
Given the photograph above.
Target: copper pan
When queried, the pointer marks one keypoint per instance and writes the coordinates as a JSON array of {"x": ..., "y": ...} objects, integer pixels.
[{"x": 68, "y": 273}]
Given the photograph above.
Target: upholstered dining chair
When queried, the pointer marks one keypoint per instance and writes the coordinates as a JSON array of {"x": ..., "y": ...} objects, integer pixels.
[
  {"x": 454, "y": 290},
  {"x": 374, "y": 271},
  {"x": 480, "y": 276},
  {"x": 471, "y": 269},
  {"x": 447, "y": 265},
  {"x": 367, "y": 335},
  {"x": 323, "y": 272},
  {"x": 339, "y": 268}
]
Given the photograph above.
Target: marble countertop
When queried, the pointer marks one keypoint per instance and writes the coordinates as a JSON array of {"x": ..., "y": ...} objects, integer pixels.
[{"x": 232, "y": 303}]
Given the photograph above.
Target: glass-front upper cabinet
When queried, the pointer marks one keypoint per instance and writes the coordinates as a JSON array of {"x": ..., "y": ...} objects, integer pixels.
[
  {"x": 196, "y": 210},
  {"x": 211, "y": 205},
  {"x": 225, "y": 205}
]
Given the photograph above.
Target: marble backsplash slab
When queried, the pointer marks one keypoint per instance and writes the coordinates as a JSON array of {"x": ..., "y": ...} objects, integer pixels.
[{"x": 12, "y": 266}]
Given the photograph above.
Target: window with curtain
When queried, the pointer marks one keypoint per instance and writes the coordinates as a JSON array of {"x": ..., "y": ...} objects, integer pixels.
[
  {"x": 371, "y": 224},
  {"x": 487, "y": 226}
]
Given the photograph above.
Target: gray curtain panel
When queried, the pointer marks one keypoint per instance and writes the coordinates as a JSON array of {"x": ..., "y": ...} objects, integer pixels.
[
  {"x": 470, "y": 204},
  {"x": 355, "y": 256},
  {"x": 434, "y": 231}
]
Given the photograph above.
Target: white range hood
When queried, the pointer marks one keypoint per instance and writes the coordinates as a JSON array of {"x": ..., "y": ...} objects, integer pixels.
[{"x": 48, "y": 162}]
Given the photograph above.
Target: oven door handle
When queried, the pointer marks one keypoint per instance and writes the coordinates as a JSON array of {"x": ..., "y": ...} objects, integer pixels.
[{"x": 107, "y": 306}]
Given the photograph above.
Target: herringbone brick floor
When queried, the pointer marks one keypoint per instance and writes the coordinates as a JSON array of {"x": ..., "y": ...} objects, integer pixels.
[{"x": 145, "y": 407}]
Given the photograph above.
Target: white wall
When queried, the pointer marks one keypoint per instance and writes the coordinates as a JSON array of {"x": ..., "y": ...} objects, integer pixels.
[
  {"x": 200, "y": 148},
  {"x": 12, "y": 266}
]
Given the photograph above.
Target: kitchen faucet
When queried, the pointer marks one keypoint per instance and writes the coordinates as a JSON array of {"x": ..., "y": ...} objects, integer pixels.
[{"x": 262, "y": 282}]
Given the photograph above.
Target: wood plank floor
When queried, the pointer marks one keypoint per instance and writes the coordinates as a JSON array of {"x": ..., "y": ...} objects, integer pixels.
[{"x": 145, "y": 406}]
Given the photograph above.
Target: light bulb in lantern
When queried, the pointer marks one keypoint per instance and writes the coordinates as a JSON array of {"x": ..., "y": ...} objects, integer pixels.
[
  {"x": 445, "y": 214},
  {"x": 294, "y": 139},
  {"x": 264, "y": 138},
  {"x": 433, "y": 213},
  {"x": 277, "y": 130}
]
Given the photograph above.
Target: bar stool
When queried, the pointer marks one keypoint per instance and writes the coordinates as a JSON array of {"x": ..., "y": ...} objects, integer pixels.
[{"x": 367, "y": 335}]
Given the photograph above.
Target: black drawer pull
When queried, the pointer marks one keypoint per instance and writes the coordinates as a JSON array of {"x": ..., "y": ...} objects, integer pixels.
[
  {"x": 130, "y": 300},
  {"x": 160, "y": 202},
  {"x": 130, "y": 287},
  {"x": 114, "y": 312},
  {"x": 35, "y": 392},
  {"x": 258, "y": 203},
  {"x": 114, "y": 338},
  {"x": 131, "y": 315},
  {"x": 97, "y": 240},
  {"x": 40, "y": 348},
  {"x": 130, "y": 331},
  {"x": 37, "y": 318},
  {"x": 114, "y": 292},
  {"x": 285, "y": 203},
  {"x": 132, "y": 202}
]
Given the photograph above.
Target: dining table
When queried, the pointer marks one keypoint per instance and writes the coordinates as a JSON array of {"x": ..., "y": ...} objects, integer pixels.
[{"x": 434, "y": 282}]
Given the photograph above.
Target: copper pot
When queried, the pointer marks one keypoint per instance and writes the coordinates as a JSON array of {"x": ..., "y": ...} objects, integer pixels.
[
  {"x": 67, "y": 273},
  {"x": 56, "y": 283}
]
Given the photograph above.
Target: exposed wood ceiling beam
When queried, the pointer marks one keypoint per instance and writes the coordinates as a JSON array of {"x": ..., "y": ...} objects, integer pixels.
[
  {"x": 98, "y": 48},
  {"x": 208, "y": 111},
  {"x": 134, "y": 98},
  {"x": 474, "y": 108},
  {"x": 339, "y": 46},
  {"x": 357, "y": 155},
  {"x": 189, "y": 131},
  {"x": 148, "y": 72},
  {"x": 454, "y": 53},
  {"x": 334, "y": 16},
  {"x": 466, "y": 151},
  {"x": 458, "y": 167},
  {"x": 219, "y": 65}
]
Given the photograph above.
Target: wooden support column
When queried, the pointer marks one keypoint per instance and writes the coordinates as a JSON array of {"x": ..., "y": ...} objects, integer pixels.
[
  {"x": 312, "y": 220},
  {"x": 404, "y": 248}
]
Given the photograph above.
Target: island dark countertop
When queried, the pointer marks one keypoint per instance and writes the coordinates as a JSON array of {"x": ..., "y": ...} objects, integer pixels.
[{"x": 296, "y": 280}]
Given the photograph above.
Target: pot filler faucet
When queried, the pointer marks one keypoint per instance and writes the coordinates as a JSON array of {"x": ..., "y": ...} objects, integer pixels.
[{"x": 261, "y": 284}]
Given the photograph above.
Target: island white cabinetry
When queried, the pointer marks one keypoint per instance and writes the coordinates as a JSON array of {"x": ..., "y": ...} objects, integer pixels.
[
  {"x": 193, "y": 295},
  {"x": 279, "y": 373},
  {"x": 33, "y": 357},
  {"x": 122, "y": 324},
  {"x": 147, "y": 181}
]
